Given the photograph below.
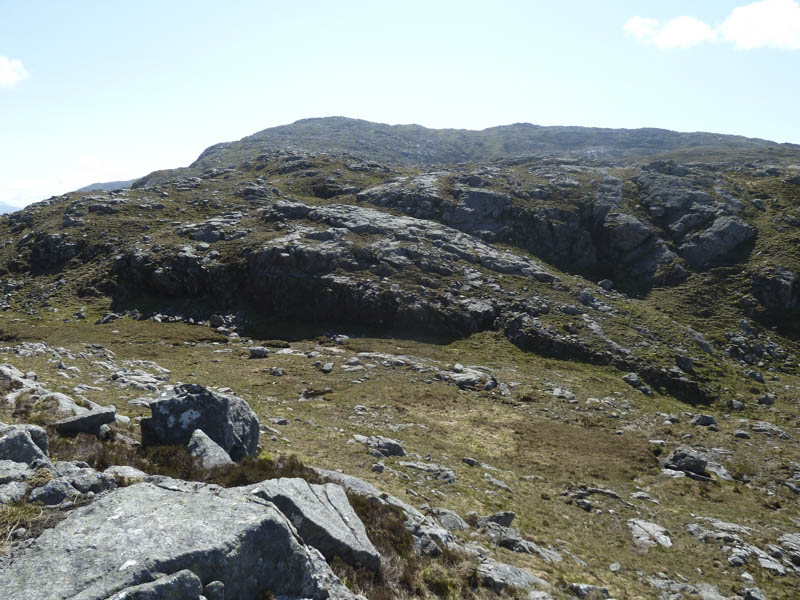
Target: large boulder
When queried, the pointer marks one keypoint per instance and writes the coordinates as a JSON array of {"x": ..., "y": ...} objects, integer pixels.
[
  {"x": 715, "y": 244},
  {"x": 224, "y": 418},
  {"x": 123, "y": 538},
  {"x": 323, "y": 517}
]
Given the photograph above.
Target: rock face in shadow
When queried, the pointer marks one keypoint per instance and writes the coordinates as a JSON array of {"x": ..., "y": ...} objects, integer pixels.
[{"x": 126, "y": 536}]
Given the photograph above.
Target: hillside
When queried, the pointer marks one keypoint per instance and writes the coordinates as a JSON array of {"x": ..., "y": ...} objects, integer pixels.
[{"x": 595, "y": 330}]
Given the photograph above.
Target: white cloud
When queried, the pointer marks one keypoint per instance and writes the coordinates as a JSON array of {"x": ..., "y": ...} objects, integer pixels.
[
  {"x": 11, "y": 72},
  {"x": 683, "y": 32},
  {"x": 768, "y": 23},
  {"x": 642, "y": 29}
]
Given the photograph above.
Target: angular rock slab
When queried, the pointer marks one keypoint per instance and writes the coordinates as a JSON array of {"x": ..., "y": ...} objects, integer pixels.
[
  {"x": 123, "y": 538},
  {"x": 208, "y": 452},
  {"x": 226, "y": 419},
  {"x": 324, "y": 518},
  {"x": 88, "y": 422}
]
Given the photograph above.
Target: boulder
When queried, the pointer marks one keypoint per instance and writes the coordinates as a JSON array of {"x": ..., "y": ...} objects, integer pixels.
[
  {"x": 53, "y": 492},
  {"x": 88, "y": 422},
  {"x": 38, "y": 435},
  {"x": 449, "y": 519},
  {"x": 716, "y": 243},
  {"x": 649, "y": 534},
  {"x": 206, "y": 451},
  {"x": 323, "y": 517},
  {"x": 504, "y": 519},
  {"x": 688, "y": 461},
  {"x": 13, "y": 491},
  {"x": 14, "y": 471},
  {"x": 386, "y": 446},
  {"x": 18, "y": 446},
  {"x": 226, "y": 419},
  {"x": 498, "y": 576},
  {"x": 122, "y": 538}
]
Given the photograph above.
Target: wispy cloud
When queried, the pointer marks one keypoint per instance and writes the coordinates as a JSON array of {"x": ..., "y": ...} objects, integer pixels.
[
  {"x": 11, "y": 72},
  {"x": 764, "y": 24}
]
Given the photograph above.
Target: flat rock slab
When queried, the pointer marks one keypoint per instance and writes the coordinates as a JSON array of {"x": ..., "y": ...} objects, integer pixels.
[
  {"x": 88, "y": 422},
  {"x": 324, "y": 518},
  {"x": 649, "y": 534},
  {"x": 124, "y": 537}
]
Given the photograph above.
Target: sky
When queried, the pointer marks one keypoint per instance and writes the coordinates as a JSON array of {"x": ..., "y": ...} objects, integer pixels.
[{"x": 102, "y": 91}]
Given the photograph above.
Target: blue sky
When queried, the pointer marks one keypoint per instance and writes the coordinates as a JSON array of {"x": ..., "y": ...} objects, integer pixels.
[{"x": 97, "y": 90}]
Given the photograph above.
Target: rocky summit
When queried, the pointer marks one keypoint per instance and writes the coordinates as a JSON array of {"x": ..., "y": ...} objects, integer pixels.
[{"x": 341, "y": 359}]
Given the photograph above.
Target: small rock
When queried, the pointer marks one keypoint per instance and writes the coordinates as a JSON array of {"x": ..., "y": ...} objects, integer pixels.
[
  {"x": 703, "y": 420},
  {"x": 767, "y": 400},
  {"x": 259, "y": 352},
  {"x": 584, "y": 590}
]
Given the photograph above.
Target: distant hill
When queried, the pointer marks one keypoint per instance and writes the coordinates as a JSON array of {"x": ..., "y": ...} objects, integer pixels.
[
  {"x": 414, "y": 145},
  {"x": 107, "y": 186}
]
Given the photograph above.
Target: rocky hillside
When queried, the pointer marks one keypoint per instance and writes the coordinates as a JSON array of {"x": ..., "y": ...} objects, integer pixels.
[{"x": 528, "y": 361}]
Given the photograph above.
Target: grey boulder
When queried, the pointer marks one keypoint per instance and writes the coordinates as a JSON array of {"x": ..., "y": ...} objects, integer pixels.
[
  {"x": 226, "y": 419},
  {"x": 38, "y": 434},
  {"x": 323, "y": 517},
  {"x": 122, "y": 538},
  {"x": 711, "y": 246},
  {"x": 17, "y": 445},
  {"x": 53, "y": 492},
  {"x": 498, "y": 576},
  {"x": 207, "y": 452}
]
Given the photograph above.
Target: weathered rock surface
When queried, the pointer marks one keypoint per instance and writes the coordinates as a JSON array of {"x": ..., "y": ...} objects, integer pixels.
[
  {"x": 323, "y": 517},
  {"x": 224, "y": 418},
  {"x": 124, "y": 537}
]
